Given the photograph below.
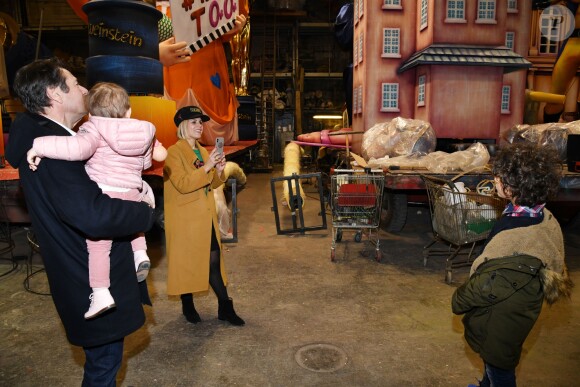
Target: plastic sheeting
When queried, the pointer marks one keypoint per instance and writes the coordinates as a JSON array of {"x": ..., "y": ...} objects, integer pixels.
[
  {"x": 551, "y": 134},
  {"x": 473, "y": 158},
  {"x": 398, "y": 137}
]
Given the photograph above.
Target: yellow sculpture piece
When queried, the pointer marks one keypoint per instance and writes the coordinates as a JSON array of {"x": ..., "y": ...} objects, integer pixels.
[
  {"x": 292, "y": 155},
  {"x": 565, "y": 68}
]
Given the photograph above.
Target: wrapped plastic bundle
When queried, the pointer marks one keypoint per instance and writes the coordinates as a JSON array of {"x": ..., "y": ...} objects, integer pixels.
[
  {"x": 474, "y": 157},
  {"x": 398, "y": 137},
  {"x": 553, "y": 134},
  {"x": 414, "y": 160}
]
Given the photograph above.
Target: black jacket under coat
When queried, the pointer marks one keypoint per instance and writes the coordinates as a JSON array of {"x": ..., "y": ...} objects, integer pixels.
[{"x": 65, "y": 208}]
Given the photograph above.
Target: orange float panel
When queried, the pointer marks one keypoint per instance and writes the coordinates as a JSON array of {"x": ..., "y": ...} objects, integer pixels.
[{"x": 160, "y": 113}]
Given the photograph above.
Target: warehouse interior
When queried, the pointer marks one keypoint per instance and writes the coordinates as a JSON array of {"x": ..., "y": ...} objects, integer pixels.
[{"x": 327, "y": 302}]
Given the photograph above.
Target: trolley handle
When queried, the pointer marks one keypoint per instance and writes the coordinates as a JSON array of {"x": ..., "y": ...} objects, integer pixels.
[
  {"x": 438, "y": 180},
  {"x": 366, "y": 170}
]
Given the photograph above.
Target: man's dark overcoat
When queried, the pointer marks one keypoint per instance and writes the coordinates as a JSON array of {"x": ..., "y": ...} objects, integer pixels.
[{"x": 65, "y": 208}]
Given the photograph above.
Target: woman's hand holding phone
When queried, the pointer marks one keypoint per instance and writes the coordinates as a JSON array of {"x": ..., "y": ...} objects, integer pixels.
[{"x": 216, "y": 160}]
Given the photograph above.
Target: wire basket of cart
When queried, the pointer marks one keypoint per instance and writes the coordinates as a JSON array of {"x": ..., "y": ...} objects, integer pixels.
[
  {"x": 459, "y": 218},
  {"x": 355, "y": 199}
]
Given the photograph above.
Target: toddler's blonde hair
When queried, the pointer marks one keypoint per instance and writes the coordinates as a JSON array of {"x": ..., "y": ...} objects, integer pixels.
[{"x": 108, "y": 100}]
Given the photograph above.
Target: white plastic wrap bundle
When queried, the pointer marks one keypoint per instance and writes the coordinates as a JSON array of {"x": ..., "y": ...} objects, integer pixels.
[
  {"x": 398, "y": 137},
  {"x": 553, "y": 134}
]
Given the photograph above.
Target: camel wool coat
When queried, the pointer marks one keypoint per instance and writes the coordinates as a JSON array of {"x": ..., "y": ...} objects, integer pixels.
[{"x": 190, "y": 214}]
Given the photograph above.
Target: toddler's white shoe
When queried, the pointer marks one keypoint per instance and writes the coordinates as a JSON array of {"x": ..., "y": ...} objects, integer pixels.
[
  {"x": 101, "y": 301},
  {"x": 142, "y": 265}
]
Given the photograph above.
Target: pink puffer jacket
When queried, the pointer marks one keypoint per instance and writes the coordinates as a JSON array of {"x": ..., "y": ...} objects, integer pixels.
[{"x": 117, "y": 150}]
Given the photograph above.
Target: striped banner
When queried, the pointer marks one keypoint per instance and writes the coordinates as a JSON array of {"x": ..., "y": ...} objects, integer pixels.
[
  {"x": 201, "y": 22},
  {"x": 207, "y": 39}
]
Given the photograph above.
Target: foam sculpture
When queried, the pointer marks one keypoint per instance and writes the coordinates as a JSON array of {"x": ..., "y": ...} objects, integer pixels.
[
  {"x": 223, "y": 212},
  {"x": 232, "y": 171},
  {"x": 292, "y": 154}
]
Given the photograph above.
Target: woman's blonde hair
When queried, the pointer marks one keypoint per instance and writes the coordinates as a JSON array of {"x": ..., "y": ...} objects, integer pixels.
[
  {"x": 181, "y": 129},
  {"x": 108, "y": 100}
]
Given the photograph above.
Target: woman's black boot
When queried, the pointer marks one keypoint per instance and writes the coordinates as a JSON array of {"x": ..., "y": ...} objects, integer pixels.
[
  {"x": 188, "y": 308},
  {"x": 227, "y": 313}
]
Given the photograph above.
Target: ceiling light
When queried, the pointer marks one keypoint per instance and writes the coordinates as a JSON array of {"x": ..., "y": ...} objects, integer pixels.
[{"x": 327, "y": 117}]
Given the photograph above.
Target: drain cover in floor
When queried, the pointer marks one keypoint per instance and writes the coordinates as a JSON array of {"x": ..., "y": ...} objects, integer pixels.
[{"x": 321, "y": 357}]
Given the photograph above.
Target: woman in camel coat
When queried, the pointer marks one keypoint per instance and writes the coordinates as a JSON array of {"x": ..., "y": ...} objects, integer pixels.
[{"x": 195, "y": 261}]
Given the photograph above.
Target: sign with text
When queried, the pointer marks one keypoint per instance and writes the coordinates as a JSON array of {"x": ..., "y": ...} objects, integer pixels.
[{"x": 200, "y": 22}]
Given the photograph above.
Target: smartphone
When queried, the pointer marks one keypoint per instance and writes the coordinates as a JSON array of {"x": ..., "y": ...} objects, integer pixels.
[{"x": 219, "y": 145}]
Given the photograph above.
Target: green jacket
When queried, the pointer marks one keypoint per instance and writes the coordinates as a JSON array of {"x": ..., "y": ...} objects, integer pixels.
[
  {"x": 501, "y": 302},
  {"x": 517, "y": 270}
]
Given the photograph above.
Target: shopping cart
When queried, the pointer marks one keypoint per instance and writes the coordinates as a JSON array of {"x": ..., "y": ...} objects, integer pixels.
[
  {"x": 355, "y": 198},
  {"x": 459, "y": 220}
]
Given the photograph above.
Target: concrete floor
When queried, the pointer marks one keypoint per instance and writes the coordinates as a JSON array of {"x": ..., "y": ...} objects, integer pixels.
[{"x": 368, "y": 323}]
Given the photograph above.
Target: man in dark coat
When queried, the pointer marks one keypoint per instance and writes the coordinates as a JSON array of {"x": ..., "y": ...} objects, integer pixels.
[{"x": 66, "y": 208}]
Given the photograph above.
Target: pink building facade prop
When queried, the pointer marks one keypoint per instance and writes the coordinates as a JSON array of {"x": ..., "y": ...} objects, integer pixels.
[{"x": 458, "y": 64}]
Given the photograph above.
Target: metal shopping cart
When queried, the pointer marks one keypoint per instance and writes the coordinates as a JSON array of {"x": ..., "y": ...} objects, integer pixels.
[
  {"x": 355, "y": 198},
  {"x": 459, "y": 220}
]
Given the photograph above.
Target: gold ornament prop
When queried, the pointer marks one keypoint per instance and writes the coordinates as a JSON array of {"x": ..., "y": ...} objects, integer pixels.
[
  {"x": 240, "y": 45},
  {"x": 9, "y": 30}
]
